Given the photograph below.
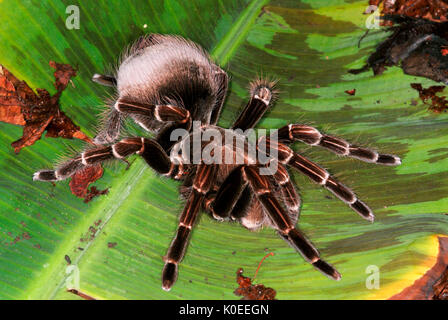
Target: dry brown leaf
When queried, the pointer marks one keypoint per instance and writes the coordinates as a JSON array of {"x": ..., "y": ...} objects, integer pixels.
[
  {"x": 437, "y": 104},
  {"x": 433, "y": 285},
  {"x": 434, "y": 10},
  {"x": 37, "y": 112},
  {"x": 250, "y": 291},
  {"x": 83, "y": 178},
  {"x": 351, "y": 92},
  {"x": 415, "y": 45}
]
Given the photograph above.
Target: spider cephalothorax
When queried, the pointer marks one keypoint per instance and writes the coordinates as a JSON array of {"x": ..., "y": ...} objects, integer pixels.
[{"x": 166, "y": 83}]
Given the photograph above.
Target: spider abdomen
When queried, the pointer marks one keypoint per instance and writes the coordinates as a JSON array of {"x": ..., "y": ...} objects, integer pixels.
[{"x": 169, "y": 69}]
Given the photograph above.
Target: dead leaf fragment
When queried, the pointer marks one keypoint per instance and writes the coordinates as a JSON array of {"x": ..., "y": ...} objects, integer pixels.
[
  {"x": 37, "y": 111},
  {"x": 428, "y": 96},
  {"x": 83, "y": 178},
  {"x": 111, "y": 244},
  {"x": 94, "y": 192},
  {"x": 351, "y": 92},
  {"x": 250, "y": 291},
  {"x": 81, "y": 294},
  {"x": 63, "y": 73},
  {"x": 415, "y": 45},
  {"x": 434, "y": 10},
  {"x": 433, "y": 285}
]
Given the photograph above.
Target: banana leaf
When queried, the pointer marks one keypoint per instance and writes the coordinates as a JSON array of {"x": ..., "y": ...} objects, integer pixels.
[{"x": 116, "y": 242}]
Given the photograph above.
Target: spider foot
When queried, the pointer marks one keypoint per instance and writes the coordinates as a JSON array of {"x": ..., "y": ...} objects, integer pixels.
[
  {"x": 327, "y": 269},
  {"x": 45, "y": 175},
  {"x": 169, "y": 276}
]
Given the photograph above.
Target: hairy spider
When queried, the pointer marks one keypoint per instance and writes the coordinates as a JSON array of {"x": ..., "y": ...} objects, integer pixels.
[{"x": 165, "y": 83}]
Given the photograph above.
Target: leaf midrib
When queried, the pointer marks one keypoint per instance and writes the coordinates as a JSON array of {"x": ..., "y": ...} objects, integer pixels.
[{"x": 106, "y": 209}]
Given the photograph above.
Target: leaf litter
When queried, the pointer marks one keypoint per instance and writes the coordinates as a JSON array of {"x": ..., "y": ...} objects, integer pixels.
[
  {"x": 38, "y": 112},
  {"x": 434, "y": 10},
  {"x": 417, "y": 42},
  {"x": 436, "y": 103},
  {"x": 251, "y": 291}
]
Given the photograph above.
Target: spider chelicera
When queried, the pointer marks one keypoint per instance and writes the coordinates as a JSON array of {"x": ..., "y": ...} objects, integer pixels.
[{"x": 165, "y": 83}]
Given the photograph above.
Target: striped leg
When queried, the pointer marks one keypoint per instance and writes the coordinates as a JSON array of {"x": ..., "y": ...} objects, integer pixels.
[
  {"x": 321, "y": 176},
  {"x": 261, "y": 96},
  {"x": 233, "y": 195},
  {"x": 242, "y": 205},
  {"x": 202, "y": 183},
  {"x": 162, "y": 113},
  {"x": 234, "y": 202},
  {"x": 149, "y": 149},
  {"x": 145, "y": 115},
  {"x": 113, "y": 120},
  {"x": 311, "y": 136},
  {"x": 262, "y": 187},
  {"x": 105, "y": 80},
  {"x": 228, "y": 195},
  {"x": 164, "y": 135},
  {"x": 288, "y": 192},
  {"x": 112, "y": 123},
  {"x": 222, "y": 81}
]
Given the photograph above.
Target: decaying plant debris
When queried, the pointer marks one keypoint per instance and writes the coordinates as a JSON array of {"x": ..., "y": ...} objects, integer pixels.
[
  {"x": 351, "y": 92},
  {"x": 82, "y": 179},
  {"x": 37, "y": 112},
  {"x": 434, "y": 10},
  {"x": 433, "y": 285},
  {"x": 441, "y": 287},
  {"x": 94, "y": 192},
  {"x": 251, "y": 291},
  {"x": 81, "y": 294},
  {"x": 436, "y": 103},
  {"x": 417, "y": 45}
]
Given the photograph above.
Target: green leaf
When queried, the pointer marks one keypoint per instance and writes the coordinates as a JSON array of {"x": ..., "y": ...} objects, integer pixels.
[{"x": 308, "y": 47}]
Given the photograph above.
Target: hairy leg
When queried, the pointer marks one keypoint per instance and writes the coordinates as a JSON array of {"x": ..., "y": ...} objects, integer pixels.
[
  {"x": 149, "y": 149},
  {"x": 311, "y": 136},
  {"x": 202, "y": 183},
  {"x": 262, "y": 187}
]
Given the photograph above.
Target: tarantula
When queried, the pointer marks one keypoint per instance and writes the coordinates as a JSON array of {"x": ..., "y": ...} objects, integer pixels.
[{"x": 165, "y": 83}]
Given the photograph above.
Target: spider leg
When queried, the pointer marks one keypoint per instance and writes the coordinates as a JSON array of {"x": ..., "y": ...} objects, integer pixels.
[
  {"x": 162, "y": 113},
  {"x": 311, "y": 136},
  {"x": 202, "y": 183},
  {"x": 262, "y": 187},
  {"x": 104, "y": 80},
  {"x": 241, "y": 206},
  {"x": 149, "y": 149},
  {"x": 143, "y": 114},
  {"x": 222, "y": 81},
  {"x": 321, "y": 176},
  {"x": 261, "y": 97},
  {"x": 113, "y": 120},
  {"x": 233, "y": 195},
  {"x": 228, "y": 194},
  {"x": 321, "y": 265},
  {"x": 288, "y": 192},
  {"x": 112, "y": 127},
  {"x": 164, "y": 135}
]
